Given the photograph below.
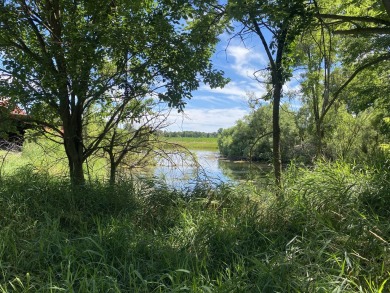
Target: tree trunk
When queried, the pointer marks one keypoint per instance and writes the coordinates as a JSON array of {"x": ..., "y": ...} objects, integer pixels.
[
  {"x": 386, "y": 4},
  {"x": 73, "y": 143},
  {"x": 318, "y": 142},
  {"x": 113, "y": 167},
  {"x": 277, "y": 157},
  {"x": 77, "y": 178},
  {"x": 75, "y": 161}
]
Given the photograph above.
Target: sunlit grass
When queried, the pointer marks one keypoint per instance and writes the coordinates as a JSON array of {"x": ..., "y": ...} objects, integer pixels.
[
  {"x": 195, "y": 143},
  {"x": 44, "y": 156},
  {"x": 40, "y": 155}
]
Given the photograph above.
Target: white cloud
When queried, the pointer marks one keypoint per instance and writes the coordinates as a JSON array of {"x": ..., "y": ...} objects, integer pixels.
[
  {"x": 211, "y": 109},
  {"x": 206, "y": 98},
  {"x": 292, "y": 86},
  {"x": 246, "y": 61},
  {"x": 239, "y": 63},
  {"x": 235, "y": 91},
  {"x": 231, "y": 89},
  {"x": 206, "y": 120}
]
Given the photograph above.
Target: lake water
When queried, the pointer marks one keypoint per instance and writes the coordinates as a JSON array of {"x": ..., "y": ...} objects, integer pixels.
[{"x": 183, "y": 172}]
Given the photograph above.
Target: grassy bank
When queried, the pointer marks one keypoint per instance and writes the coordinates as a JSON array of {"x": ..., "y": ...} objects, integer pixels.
[
  {"x": 43, "y": 155},
  {"x": 40, "y": 155},
  {"x": 196, "y": 143},
  {"x": 330, "y": 234}
]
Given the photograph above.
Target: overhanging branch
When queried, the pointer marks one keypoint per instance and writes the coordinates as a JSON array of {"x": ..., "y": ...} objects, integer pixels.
[
  {"x": 256, "y": 141},
  {"x": 377, "y": 60},
  {"x": 364, "y": 30},
  {"x": 347, "y": 18}
]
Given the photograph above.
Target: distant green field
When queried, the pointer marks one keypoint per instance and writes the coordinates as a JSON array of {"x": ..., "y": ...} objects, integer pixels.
[{"x": 196, "y": 143}]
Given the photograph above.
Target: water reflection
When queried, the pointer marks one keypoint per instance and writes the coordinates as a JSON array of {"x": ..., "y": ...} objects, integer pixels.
[
  {"x": 183, "y": 172},
  {"x": 242, "y": 170}
]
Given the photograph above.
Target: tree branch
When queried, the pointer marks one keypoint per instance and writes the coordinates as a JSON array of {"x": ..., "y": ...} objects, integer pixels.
[
  {"x": 364, "y": 30},
  {"x": 29, "y": 119},
  {"x": 264, "y": 42},
  {"x": 386, "y": 4},
  {"x": 349, "y": 80},
  {"x": 39, "y": 36},
  {"x": 348, "y": 18},
  {"x": 257, "y": 140}
]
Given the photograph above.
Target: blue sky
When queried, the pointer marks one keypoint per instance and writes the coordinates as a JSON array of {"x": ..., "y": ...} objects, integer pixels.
[{"x": 211, "y": 109}]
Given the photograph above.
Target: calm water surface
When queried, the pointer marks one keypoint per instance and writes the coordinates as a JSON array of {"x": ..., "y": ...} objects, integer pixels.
[{"x": 184, "y": 173}]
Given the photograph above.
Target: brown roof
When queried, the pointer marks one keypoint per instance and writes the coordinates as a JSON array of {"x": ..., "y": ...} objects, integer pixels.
[{"x": 16, "y": 111}]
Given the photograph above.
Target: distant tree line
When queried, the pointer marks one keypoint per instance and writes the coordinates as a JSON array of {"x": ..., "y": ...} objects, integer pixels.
[{"x": 188, "y": 134}]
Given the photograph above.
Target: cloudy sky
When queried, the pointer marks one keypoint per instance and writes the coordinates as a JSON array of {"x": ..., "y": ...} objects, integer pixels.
[{"x": 211, "y": 109}]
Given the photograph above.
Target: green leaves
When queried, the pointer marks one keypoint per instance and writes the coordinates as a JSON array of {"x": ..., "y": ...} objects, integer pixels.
[
  {"x": 65, "y": 58},
  {"x": 94, "y": 34},
  {"x": 251, "y": 138}
]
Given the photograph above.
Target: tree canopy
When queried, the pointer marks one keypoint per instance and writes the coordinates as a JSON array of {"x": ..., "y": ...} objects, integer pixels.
[
  {"x": 59, "y": 58},
  {"x": 283, "y": 21},
  {"x": 341, "y": 53}
]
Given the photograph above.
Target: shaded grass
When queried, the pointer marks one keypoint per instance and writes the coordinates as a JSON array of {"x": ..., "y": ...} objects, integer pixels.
[
  {"x": 196, "y": 143},
  {"x": 328, "y": 235}
]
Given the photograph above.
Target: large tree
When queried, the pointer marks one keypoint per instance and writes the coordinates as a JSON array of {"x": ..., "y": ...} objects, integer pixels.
[
  {"x": 363, "y": 51},
  {"x": 276, "y": 24},
  {"x": 59, "y": 58},
  {"x": 332, "y": 75}
]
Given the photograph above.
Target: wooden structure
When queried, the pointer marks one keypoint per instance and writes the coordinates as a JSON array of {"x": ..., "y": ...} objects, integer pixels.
[{"x": 12, "y": 124}]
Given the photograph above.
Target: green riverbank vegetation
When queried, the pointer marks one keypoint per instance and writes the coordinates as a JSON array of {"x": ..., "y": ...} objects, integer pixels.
[
  {"x": 349, "y": 137},
  {"x": 329, "y": 234}
]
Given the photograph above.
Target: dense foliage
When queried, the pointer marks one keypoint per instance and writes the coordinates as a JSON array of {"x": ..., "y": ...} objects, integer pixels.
[
  {"x": 88, "y": 71},
  {"x": 251, "y": 138},
  {"x": 342, "y": 59},
  {"x": 347, "y": 136}
]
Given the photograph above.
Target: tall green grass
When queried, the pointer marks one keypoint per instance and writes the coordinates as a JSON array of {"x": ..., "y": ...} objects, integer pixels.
[
  {"x": 329, "y": 235},
  {"x": 42, "y": 155}
]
